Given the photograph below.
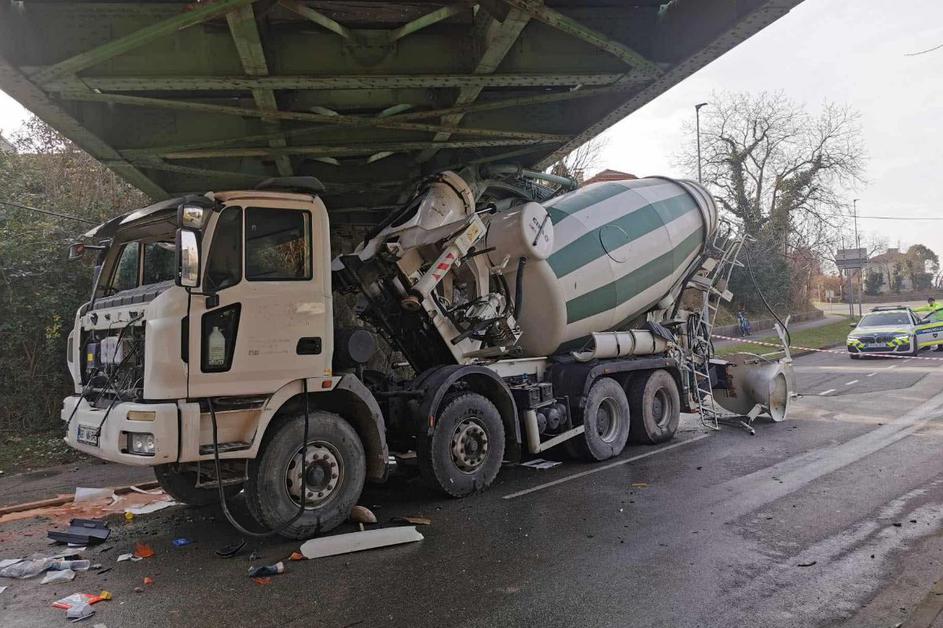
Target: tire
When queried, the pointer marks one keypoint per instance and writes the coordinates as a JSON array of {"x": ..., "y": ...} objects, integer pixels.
[
  {"x": 273, "y": 487},
  {"x": 656, "y": 408},
  {"x": 915, "y": 350},
  {"x": 180, "y": 483},
  {"x": 854, "y": 356},
  {"x": 606, "y": 422},
  {"x": 466, "y": 449}
]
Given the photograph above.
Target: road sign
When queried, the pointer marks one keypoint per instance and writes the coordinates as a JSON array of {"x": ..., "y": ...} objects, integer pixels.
[{"x": 847, "y": 259}]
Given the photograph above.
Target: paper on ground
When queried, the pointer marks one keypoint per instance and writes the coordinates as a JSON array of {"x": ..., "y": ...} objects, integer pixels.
[
  {"x": 83, "y": 494},
  {"x": 540, "y": 463},
  {"x": 2, "y": 589},
  {"x": 359, "y": 541},
  {"x": 149, "y": 508}
]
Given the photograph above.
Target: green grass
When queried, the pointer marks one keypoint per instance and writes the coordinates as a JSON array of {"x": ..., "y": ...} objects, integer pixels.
[
  {"x": 35, "y": 451},
  {"x": 815, "y": 338}
]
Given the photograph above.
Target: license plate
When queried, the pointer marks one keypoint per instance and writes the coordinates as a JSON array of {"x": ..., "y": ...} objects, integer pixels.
[
  {"x": 88, "y": 435},
  {"x": 875, "y": 345}
]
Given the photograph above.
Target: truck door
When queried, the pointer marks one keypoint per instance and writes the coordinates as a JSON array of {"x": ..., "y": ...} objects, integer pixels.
[
  {"x": 930, "y": 330},
  {"x": 268, "y": 321}
]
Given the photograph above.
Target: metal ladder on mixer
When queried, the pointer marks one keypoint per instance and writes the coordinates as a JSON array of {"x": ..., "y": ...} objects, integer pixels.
[{"x": 712, "y": 281}]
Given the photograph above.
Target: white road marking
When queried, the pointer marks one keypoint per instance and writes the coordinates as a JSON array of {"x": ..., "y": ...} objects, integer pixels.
[
  {"x": 825, "y": 392},
  {"x": 617, "y": 463},
  {"x": 892, "y": 366},
  {"x": 854, "y": 381},
  {"x": 872, "y": 374}
]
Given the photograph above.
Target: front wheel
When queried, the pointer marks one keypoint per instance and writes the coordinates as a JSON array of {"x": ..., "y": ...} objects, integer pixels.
[
  {"x": 465, "y": 451},
  {"x": 854, "y": 356},
  {"x": 179, "y": 481},
  {"x": 333, "y": 466}
]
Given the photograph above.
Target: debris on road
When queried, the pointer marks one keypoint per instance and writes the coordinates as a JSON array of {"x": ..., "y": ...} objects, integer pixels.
[
  {"x": 54, "y": 576},
  {"x": 20, "y": 569},
  {"x": 181, "y": 542},
  {"x": 80, "y": 612},
  {"x": 263, "y": 581},
  {"x": 808, "y": 564},
  {"x": 149, "y": 507},
  {"x": 83, "y": 494},
  {"x": 148, "y": 580},
  {"x": 81, "y": 598},
  {"x": 267, "y": 570},
  {"x": 82, "y": 531},
  {"x": 143, "y": 550},
  {"x": 228, "y": 551},
  {"x": 359, "y": 541},
  {"x": 129, "y": 556},
  {"x": 639, "y": 484},
  {"x": 413, "y": 519},
  {"x": 296, "y": 556},
  {"x": 540, "y": 463},
  {"x": 362, "y": 514}
]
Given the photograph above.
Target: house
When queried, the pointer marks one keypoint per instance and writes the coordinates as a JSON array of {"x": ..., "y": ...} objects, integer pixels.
[
  {"x": 609, "y": 175},
  {"x": 897, "y": 272}
]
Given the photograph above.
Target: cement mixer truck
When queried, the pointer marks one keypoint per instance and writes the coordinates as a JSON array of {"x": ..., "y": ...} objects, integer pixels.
[{"x": 524, "y": 314}]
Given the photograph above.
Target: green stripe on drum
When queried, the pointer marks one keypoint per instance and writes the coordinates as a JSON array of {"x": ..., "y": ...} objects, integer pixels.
[
  {"x": 607, "y": 297},
  {"x": 581, "y": 199},
  {"x": 640, "y": 222}
]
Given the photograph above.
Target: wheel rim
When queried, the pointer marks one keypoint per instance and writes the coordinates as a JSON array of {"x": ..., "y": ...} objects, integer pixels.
[
  {"x": 661, "y": 407},
  {"x": 607, "y": 425},
  {"x": 469, "y": 445},
  {"x": 324, "y": 473}
]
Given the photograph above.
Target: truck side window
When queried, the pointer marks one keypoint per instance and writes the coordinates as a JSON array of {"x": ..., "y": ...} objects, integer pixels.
[
  {"x": 126, "y": 271},
  {"x": 159, "y": 263},
  {"x": 278, "y": 244},
  {"x": 224, "y": 266}
]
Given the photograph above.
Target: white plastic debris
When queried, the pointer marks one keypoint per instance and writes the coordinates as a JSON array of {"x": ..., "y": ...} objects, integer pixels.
[
  {"x": 27, "y": 568},
  {"x": 359, "y": 541},
  {"x": 149, "y": 508},
  {"x": 2, "y": 589},
  {"x": 80, "y": 612},
  {"x": 83, "y": 494},
  {"x": 53, "y": 576}
]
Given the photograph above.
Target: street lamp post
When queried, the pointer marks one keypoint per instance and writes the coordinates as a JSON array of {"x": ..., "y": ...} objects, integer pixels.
[
  {"x": 697, "y": 118},
  {"x": 854, "y": 215}
]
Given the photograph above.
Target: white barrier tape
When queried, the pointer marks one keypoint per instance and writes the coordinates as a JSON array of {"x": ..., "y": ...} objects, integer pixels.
[{"x": 835, "y": 351}]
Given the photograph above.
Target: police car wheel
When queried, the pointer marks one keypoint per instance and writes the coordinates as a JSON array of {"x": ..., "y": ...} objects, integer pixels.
[{"x": 854, "y": 356}]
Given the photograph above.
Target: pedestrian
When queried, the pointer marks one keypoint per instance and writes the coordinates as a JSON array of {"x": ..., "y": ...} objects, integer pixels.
[{"x": 742, "y": 322}]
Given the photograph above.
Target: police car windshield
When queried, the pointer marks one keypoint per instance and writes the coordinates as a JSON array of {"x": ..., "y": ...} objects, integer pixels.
[{"x": 885, "y": 318}]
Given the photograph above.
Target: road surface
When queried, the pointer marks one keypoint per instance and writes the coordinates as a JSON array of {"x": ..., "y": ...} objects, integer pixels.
[{"x": 834, "y": 517}]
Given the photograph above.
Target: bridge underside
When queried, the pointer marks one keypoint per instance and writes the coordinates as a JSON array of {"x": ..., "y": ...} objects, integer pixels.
[{"x": 366, "y": 95}]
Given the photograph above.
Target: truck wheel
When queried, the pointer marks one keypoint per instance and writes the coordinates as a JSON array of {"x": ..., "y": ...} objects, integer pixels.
[
  {"x": 179, "y": 481},
  {"x": 605, "y": 422},
  {"x": 656, "y": 408},
  {"x": 466, "y": 449},
  {"x": 335, "y": 470}
]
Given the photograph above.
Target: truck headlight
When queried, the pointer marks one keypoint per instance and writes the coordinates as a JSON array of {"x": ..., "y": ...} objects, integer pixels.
[{"x": 141, "y": 443}]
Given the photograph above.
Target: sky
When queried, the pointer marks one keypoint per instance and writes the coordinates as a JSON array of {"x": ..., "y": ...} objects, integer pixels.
[{"x": 850, "y": 53}]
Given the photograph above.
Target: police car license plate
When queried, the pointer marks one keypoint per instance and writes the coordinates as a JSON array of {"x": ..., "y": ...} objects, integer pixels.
[
  {"x": 88, "y": 435},
  {"x": 875, "y": 345}
]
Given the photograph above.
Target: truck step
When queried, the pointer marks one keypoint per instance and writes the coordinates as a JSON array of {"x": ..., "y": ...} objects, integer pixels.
[{"x": 206, "y": 450}]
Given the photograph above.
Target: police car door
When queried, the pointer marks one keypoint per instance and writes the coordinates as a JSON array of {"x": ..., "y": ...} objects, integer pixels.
[{"x": 929, "y": 331}]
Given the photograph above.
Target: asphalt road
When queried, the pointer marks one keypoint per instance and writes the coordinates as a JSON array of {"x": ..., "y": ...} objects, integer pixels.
[{"x": 834, "y": 517}]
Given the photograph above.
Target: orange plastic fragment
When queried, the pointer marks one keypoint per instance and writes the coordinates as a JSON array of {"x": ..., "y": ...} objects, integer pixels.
[
  {"x": 296, "y": 556},
  {"x": 148, "y": 580},
  {"x": 143, "y": 550},
  {"x": 262, "y": 581}
]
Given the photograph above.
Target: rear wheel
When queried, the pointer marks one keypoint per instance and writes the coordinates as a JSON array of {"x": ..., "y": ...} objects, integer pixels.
[
  {"x": 605, "y": 422},
  {"x": 656, "y": 408},
  {"x": 333, "y": 466},
  {"x": 179, "y": 481},
  {"x": 465, "y": 451}
]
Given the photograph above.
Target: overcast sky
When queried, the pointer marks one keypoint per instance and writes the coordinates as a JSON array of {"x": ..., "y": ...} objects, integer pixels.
[{"x": 845, "y": 52}]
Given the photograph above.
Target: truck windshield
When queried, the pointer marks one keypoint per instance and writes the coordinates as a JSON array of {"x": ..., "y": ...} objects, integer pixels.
[
  {"x": 885, "y": 318},
  {"x": 142, "y": 264}
]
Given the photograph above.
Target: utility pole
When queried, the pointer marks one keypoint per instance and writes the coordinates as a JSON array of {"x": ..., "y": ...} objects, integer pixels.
[
  {"x": 697, "y": 118},
  {"x": 854, "y": 215}
]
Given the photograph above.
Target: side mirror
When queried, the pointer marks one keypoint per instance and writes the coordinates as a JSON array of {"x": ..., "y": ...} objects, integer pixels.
[
  {"x": 188, "y": 258},
  {"x": 852, "y": 324}
]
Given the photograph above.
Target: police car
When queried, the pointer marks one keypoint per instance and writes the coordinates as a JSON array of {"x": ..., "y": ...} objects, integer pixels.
[{"x": 891, "y": 329}]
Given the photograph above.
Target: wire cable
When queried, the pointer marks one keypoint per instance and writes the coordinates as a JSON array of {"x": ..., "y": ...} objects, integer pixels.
[
  {"x": 763, "y": 298},
  {"x": 48, "y": 212},
  {"x": 219, "y": 478}
]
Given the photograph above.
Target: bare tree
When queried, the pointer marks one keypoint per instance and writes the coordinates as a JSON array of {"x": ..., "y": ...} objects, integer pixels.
[
  {"x": 579, "y": 161},
  {"x": 776, "y": 167}
]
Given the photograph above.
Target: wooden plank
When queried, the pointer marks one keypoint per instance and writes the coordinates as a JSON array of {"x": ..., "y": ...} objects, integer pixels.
[{"x": 138, "y": 38}]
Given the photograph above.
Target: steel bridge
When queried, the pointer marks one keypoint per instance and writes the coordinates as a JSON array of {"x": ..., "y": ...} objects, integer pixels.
[{"x": 366, "y": 95}]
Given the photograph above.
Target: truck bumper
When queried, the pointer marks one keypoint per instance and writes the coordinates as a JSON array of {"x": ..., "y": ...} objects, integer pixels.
[{"x": 114, "y": 429}]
